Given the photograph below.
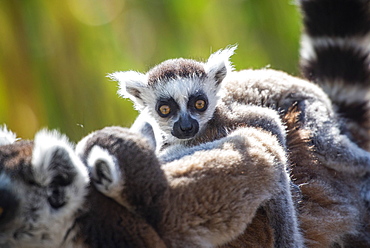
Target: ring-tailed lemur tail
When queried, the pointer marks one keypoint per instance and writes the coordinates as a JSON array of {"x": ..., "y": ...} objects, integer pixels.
[{"x": 335, "y": 49}]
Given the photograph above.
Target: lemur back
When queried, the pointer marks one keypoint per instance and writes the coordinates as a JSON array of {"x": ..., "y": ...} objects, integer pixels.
[{"x": 209, "y": 195}]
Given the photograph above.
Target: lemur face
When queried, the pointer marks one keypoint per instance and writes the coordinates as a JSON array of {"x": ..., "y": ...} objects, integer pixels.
[
  {"x": 178, "y": 96},
  {"x": 182, "y": 106},
  {"x": 184, "y": 112},
  {"x": 42, "y": 185}
]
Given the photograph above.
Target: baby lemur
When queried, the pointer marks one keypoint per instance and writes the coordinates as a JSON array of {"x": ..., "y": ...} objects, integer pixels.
[{"x": 180, "y": 97}]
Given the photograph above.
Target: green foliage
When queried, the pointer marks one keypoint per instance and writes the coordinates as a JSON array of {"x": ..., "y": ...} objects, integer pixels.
[{"x": 55, "y": 55}]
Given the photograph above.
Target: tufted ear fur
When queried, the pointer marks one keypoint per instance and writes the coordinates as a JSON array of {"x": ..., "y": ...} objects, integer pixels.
[
  {"x": 131, "y": 85},
  {"x": 218, "y": 64},
  {"x": 105, "y": 172},
  {"x": 56, "y": 167},
  {"x": 6, "y": 136}
]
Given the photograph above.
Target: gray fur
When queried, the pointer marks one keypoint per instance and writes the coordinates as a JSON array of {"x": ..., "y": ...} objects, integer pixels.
[
  {"x": 42, "y": 188},
  {"x": 276, "y": 91},
  {"x": 199, "y": 200},
  {"x": 177, "y": 80},
  {"x": 335, "y": 55},
  {"x": 224, "y": 117},
  {"x": 279, "y": 91},
  {"x": 46, "y": 200}
]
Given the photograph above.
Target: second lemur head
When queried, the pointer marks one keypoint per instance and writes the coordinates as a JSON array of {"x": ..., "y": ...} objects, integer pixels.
[{"x": 178, "y": 96}]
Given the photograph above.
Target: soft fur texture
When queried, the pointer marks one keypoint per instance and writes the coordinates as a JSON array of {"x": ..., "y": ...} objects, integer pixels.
[
  {"x": 205, "y": 198},
  {"x": 273, "y": 90},
  {"x": 176, "y": 81},
  {"x": 179, "y": 80},
  {"x": 329, "y": 206},
  {"x": 46, "y": 201},
  {"x": 335, "y": 55},
  {"x": 337, "y": 191},
  {"x": 228, "y": 186},
  {"x": 6, "y": 136},
  {"x": 42, "y": 187}
]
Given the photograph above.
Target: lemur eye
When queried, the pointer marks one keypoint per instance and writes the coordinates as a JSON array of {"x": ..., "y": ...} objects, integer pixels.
[
  {"x": 165, "y": 110},
  {"x": 200, "y": 104}
]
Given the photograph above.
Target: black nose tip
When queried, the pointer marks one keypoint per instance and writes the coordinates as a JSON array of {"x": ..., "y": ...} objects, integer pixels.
[
  {"x": 9, "y": 202},
  {"x": 186, "y": 127}
]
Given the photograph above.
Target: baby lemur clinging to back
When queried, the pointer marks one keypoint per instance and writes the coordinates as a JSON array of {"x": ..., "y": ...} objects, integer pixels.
[
  {"x": 186, "y": 103},
  {"x": 170, "y": 117},
  {"x": 181, "y": 97}
]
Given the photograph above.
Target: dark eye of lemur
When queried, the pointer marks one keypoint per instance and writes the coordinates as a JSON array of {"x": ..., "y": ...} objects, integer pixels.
[
  {"x": 166, "y": 107},
  {"x": 198, "y": 103}
]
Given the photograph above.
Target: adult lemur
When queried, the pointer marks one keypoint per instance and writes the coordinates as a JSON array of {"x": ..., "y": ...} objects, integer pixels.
[
  {"x": 335, "y": 55},
  {"x": 46, "y": 200},
  {"x": 202, "y": 200},
  {"x": 196, "y": 201},
  {"x": 178, "y": 98}
]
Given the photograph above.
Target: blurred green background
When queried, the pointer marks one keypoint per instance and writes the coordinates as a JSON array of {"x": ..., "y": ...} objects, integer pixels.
[{"x": 55, "y": 55}]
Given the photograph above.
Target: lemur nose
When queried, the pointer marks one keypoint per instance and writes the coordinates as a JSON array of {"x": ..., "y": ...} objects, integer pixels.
[
  {"x": 9, "y": 202},
  {"x": 186, "y": 126}
]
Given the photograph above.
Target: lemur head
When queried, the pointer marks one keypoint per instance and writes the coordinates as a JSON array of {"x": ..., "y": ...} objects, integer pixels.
[
  {"x": 42, "y": 186},
  {"x": 179, "y": 96}
]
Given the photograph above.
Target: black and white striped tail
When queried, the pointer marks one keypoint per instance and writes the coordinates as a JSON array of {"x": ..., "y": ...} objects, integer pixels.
[{"x": 335, "y": 49}]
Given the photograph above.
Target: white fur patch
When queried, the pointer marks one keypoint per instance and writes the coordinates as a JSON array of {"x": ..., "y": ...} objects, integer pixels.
[
  {"x": 219, "y": 59},
  {"x": 46, "y": 143},
  {"x": 306, "y": 51},
  {"x": 58, "y": 221},
  {"x": 112, "y": 189},
  {"x": 308, "y": 44},
  {"x": 131, "y": 84},
  {"x": 6, "y": 136}
]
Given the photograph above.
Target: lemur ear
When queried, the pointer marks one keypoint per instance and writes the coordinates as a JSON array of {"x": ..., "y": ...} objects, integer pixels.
[
  {"x": 218, "y": 64},
  {"x": 105, "y": 172},
  {"x": 131, "y": 85},
  {"x": 6, "y": 136},
  {"x": 56, "y": 167}
]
